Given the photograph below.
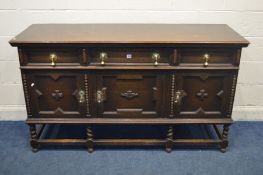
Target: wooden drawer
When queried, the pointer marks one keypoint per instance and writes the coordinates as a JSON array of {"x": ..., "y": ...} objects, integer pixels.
[
  {"x": 130, "y": 56},
  {"x": 207, "y": 56},
  {"x": 51, "y": 56},
  {"x": 130, "y": 94}
]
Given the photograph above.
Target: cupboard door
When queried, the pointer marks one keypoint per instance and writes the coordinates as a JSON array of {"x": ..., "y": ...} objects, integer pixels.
[
  {"x": 203, "y": 94},
  {"x": 129, "y": 94},
  {"x": 58, "y": 94}
]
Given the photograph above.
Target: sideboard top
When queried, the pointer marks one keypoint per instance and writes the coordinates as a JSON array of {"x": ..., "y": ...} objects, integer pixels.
[{"x": 129, "y": 33}]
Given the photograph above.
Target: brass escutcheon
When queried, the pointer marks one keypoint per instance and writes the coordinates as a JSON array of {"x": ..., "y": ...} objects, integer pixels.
[
  {"x": 81, "y": 96},
  {"x": 101, "y": 95},
  {"x": 179, "y": 96}
]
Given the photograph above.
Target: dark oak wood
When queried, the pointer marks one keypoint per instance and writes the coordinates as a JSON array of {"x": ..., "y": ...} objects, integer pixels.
[
  {"x": 129, "y": 33},
  {"x": 34, "y": 137},
  {"x": 206, "y": 93},
  {"x": 40, "y": 56},
  {"x": 169, "y": 142},
  {"x": 129, "y": 67},
  {"x": 131, "y": 94},
  {"x": 224, "y": 142},
  {"x": 54, "y": 94},
  {"x": 123, "y": 55},
  {"x": 129, "y": 74},
  {"x": 109, "y": 121},
  {"x": 192, "y": 56},
  {"x": 169, "y": 139}
]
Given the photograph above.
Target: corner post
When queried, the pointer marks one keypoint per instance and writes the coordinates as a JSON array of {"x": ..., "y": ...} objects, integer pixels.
[
  {"x": 224, "y": 139},
  {"x": 33, "y": 137}
]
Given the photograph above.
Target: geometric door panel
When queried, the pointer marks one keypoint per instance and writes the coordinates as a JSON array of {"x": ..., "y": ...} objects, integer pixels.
[
  {"x": 205, "y": 95},
  {"x": 129, "y": 94},
  {"x": 58, "y": 94}
]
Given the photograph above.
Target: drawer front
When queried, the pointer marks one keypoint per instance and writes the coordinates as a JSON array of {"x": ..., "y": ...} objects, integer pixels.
[
  {"x": 124, "y": 56},
  {"x": 208, "y": 56},
  {"x": 130, "y": 94},
  {"x": 56, "y": 94},
  {"x": 204, "y": 95},
  {"x": 51, "y": 56}
]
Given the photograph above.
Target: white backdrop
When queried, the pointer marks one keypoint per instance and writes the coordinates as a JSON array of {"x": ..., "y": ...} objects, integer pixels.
[{"x": 244, "y": 16}]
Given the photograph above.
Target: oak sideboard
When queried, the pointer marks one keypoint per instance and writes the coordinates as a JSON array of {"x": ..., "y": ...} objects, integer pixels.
[{"x": 129, "y": 74}]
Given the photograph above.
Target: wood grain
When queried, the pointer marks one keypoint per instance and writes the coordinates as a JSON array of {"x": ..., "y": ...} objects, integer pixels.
[{"x": 129, "y": 33}]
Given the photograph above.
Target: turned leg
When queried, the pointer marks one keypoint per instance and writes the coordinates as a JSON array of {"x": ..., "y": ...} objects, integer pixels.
[
  {"x": 33, "y": 139},
  {"x": 169, "y": 139},
  {"x": 224, "y": 139},
  {"x": 90, "y": 139}
]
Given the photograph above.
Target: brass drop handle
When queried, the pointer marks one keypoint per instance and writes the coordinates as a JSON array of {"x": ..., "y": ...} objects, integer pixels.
[
  {"x": 206, "y": 59},
  {"x": 103, "y": 57},
  {"x": 179, "y": 96},
  {"x": 101, "y": 95},
  {"x": 81, "y": 96},
  {"x": 156, "y": 57},
  {"x": 53, "y": 57}
]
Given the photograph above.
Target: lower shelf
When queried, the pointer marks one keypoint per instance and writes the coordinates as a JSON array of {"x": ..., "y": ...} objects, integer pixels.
[
  {"x": 137, "y": 121},
  {"x": 92, "y": 136}
]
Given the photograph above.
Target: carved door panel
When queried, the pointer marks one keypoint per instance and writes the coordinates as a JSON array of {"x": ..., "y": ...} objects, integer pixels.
[
  {"x": 129, "y": 94},
  {"x": 58, "y": 94},
  {"x": 204, "y": 94}
]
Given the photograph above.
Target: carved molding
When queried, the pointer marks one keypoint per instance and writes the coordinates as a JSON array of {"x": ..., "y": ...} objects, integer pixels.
[
  {"x": 87, "y": 92},
  {"x": 204, "y": 77},
  {"x": 220, "y": 94},
  {"x": 202, "y": 94},
  {"x": 172, "y": 96},
  {"x": 24, "y": 81},
  {"x": 59, "y": 111},
  {"x": 231, "y": 96},
  {"x": 200, "y": 111},
  {"x": 38, "y": 92},
  {"x": 57, "y": 95},
  {"x": 129, "y": 94},
  {"x": 75, "y": 94},
  {"x": 55, "y": 76}
]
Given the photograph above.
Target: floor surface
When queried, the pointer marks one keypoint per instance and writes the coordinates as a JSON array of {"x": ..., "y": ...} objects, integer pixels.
[{"x": 243, "y": 157}]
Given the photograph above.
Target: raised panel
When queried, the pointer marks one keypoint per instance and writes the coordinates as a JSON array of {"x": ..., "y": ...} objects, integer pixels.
[
  {"x": 58, "y": 94},
  {"x": 130, "y": 94},
  {"x": 206, "y": 94}
]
